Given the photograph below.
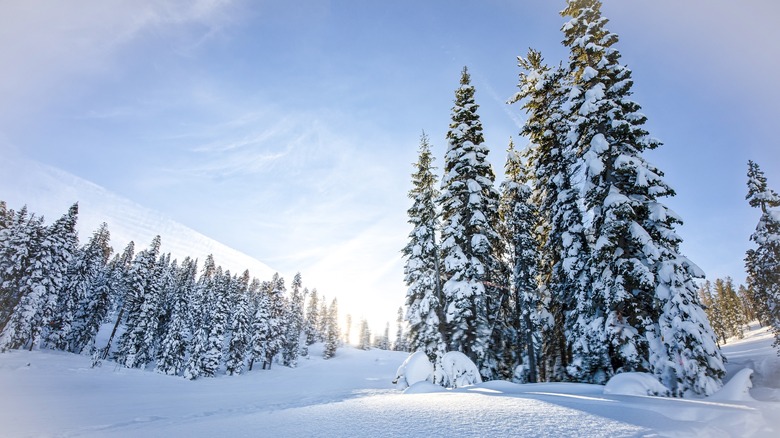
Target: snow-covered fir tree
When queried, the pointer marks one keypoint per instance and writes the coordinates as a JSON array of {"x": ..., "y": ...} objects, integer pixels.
[
  {"x": 89, "y": 278},
  {"x": 49, "y": 251},
  {"x": 518, "y": 223},
  {"x": 422, "y": 270},
  {"x": 173, "y": 348},
  {"x": 473, "y": 290},
  {"x": 119, "y": 284},
  {"x": 312, "y": 318},
  {"x": 643, "y": 305},
  {"x": 401, "y": 342},
  {"x": 762, "y": 263},
  {"x": 364, "y": 335},
  {"x": 294, "y": 321},
  {"x": 201, "y": 308},
  {"x": 136, "y": 344},
  {"x": 240, "y": 328},
  {"x": 563, "y": 250},
  {"x": 218, "y": 323},
  {"x": 268, "y": 325},
  {"x": 332, "y": 330}
]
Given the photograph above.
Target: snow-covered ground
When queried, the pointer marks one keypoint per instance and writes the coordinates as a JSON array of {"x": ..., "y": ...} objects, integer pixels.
[{"x": 45, "y": 393}]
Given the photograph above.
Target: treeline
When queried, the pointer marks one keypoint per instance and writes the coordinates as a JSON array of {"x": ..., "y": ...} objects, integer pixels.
[
  {"x": 729, "y": 308},
  {"x": 154, "y": 312},
  {"x": 570, "y": 270}
]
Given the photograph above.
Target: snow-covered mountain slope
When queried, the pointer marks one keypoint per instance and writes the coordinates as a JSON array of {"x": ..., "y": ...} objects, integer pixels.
[
  {"x": 48, "y": 393},
  {"x": 49, "y": 192}
]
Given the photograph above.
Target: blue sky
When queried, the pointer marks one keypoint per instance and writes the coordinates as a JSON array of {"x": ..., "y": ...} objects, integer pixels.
[{"x": 287, "y": 130}]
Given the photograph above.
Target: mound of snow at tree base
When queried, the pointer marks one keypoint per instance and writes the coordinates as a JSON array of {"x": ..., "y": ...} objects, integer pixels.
[{"x": 47, "y": 393}]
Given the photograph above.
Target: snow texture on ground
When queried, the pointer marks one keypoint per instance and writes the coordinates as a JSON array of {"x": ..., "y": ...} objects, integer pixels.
[{"x": 54, "y": 394}]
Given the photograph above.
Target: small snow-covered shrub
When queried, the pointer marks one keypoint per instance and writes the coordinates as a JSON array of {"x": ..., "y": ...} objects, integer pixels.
[
  {"x": 635, "y": 384},
  {"x": 416, "y": 368},
  {"x": 458, "y": 370}
]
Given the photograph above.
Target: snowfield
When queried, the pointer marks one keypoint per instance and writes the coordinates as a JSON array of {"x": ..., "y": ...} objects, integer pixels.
[{"x": 56, "y": 394}]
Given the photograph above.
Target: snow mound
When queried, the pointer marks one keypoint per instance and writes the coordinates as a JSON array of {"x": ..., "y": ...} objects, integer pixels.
[
  {"x": 459, "y": 370},
  {"x": 423, "y": 387},
  {"x": 635, "y": 384},
  {"x": 416, "y": 368},
  {"x": 737, "y": 389}
]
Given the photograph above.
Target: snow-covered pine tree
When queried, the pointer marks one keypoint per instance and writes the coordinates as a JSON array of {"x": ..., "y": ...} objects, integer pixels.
[
  {"x": 35, "y": 317},
  {"x": 294, "y": 320},
  {"x": 643, "y": 301},
  {"x": 218, "y": 323},
  {"x": 763, "y": 262},
  {"x": 518, "y": 223},
  {"x": 173, "y": 348},
  {"x": 712, "y": 310},
  {"x": 348, "y": 323},
  {"x": 20, "y": 234},
  {"x": 239, "y": 336},
  {"x": 21, "y": 293},
  {"x": 563, "y": 250},
  {"x": 91, "y": 278},
  {"x": 135, "y": 349},
  {"x": 474, "y": 287},
  {"x": 332, "y": 331},
  {"x": 364, "y": 337},
  {"x": 424, "y": 301},
  {"x": 322, "y": 319},
  {"x": 312, "y": 318},
  {"x": 401, "y": 341},
  {"x": 119, "y": 285},
  {"x": 201, "y": 309},
  {"x": 268, "y": 325}
]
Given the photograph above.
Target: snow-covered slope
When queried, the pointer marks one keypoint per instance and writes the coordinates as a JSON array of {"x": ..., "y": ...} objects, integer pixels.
[
  {"x": 57, "y": 394},
  {"x": 49, "y": 192}
]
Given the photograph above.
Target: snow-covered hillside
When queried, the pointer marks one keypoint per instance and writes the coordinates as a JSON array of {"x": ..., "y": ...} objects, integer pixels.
[
  {"x": 49, "y": 192},
  {"x": 48, "y": 393}
]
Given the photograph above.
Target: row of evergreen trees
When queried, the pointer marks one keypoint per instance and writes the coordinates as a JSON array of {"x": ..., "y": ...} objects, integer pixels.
[
  {"x": 173, "y": 316},
  {"x": 572, "y": 270},
  {"x": 762, "y": 263}
]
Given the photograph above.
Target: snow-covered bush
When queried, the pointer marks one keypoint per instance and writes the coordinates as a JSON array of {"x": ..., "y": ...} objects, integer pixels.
[
  {"x": 416, "y": 368},
  {"x": 458, "y": 370},
  {"x": 635, "y": 384}
]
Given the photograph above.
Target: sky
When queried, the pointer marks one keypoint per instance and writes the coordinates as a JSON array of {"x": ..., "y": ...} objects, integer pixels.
[{"x": 288, "y": 130}]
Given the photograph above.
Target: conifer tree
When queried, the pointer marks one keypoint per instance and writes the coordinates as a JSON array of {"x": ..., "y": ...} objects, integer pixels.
[
  {"x": 135, "y": 349},
  {"x": 422, "y": 269},
  {"x": 518, "y": 220},
  {"x": 364, "y": 339},
  {"x": 119, "y": 284},
  {"x": 239, "y": 339},
  {"x": 763, "y": 262},
  {"x": 294, "y": 321},
  {"x": 332, "y": 330},
  {"x": 49, "y": 250},
  {"x": 21, "y": 293},
  {"x": 401, "y": 343},
  {"x": 560, "y": 234},
  {"x": 173, "y": 348},
  {"x": 218, "y": 323},
  {"x": 312, "y": 318},
  {"x": 90, "y": 277},
  {"x": 473, "y": 291},
  {"x": 643, "y": 301}
]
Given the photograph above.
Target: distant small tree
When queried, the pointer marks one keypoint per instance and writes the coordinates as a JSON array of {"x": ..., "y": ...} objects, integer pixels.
[{"x": 332, "y": 332}]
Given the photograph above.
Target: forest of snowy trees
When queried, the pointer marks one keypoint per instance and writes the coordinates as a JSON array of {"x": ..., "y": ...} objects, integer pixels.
[
  {"x": 571, "y": 270},
  {"x": 177, "y": 317}
]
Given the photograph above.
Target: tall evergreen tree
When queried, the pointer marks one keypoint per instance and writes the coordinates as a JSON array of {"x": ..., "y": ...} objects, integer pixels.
[
  {"x": 136, "y": 348},
  {"x": 312, "y": 318},
  {"x": 364, "y": 337},
  {"x": 643, "y": 301},
  {"x": 474, "y": 287},
  {"x": 763, "y": 262},
  {"x": 173, "y": 348},
  {"x": 560, "y": 234},
  {"x": 240, "y": 329},
  {"x": 49, "y": 250},
  {"x": 90, "y": 280},
  {"x": 519, "y": 219},
  {"x": 119, "y": 284},
  {"x": 332, "y": 331},
  {"x": 295, "y": 323},
  {"x": 424, "y": 298},
  {"x": 401, "y": 343}
]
